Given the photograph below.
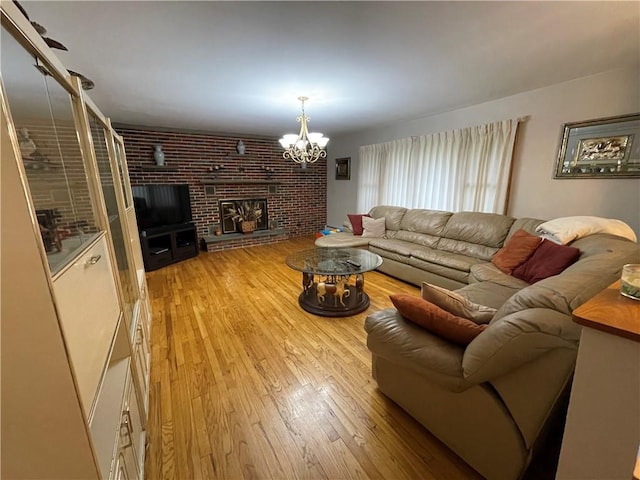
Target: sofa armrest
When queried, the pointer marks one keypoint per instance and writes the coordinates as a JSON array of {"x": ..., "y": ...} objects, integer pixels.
[
  {"x": 516, "y": 339},
  {"x": 402, "y": 342}
]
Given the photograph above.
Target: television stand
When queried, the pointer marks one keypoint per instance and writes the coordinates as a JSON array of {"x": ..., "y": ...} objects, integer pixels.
[{"x": 169, "y": 244}]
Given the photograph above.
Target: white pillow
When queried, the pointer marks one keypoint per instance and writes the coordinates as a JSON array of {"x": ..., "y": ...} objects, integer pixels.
[
  {"x": 373, "y": 227},
  {"x": 566, "y": 229},
  {"x": 455, "y": 303}
]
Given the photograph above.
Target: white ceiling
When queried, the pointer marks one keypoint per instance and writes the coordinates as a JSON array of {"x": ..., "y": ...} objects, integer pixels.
[{"x": 240, "y": 66}]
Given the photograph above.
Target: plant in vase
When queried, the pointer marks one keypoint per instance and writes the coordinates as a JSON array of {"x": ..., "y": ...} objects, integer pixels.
[{"x": 247, "y": 214}]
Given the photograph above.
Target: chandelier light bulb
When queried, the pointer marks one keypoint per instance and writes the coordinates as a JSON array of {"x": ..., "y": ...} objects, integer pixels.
[{"x": 305, "y": 147}]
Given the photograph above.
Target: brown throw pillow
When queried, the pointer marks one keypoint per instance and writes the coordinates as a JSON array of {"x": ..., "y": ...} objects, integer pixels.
[
  {"x": 438, "y": 321},
  {"x": 356, "y": 222},
  {"x": 549, "y": 259},
  {"x": 455, "y": 303},
  {"x": 516, "y": 251}
]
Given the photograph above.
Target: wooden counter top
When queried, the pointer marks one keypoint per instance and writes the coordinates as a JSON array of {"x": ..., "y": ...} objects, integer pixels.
[{"x": 611, "y": 312}]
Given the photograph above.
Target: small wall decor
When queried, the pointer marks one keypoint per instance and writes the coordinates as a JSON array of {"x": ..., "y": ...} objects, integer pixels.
[
  {"x": 240, "y": 147},
  {"x": 602, "y": 148},
  {"x": 158, "y": 155},
  {"x": 343, "y": 168}
]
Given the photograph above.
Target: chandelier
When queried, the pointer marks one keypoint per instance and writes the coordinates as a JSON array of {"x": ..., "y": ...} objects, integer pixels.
[{"x": 305, "y": 147}]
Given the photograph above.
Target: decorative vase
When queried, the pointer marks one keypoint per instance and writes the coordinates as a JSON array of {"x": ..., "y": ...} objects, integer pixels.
[
  {"x": 158, "y": 155},
  {"x": 248, "y": 226},
  {"x": 240, "y": 147},
  {"x": 27, "y": 146}
]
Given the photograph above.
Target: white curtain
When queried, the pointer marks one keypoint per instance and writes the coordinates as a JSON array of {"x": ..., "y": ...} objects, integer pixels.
[{"x": 460, "y": 170}]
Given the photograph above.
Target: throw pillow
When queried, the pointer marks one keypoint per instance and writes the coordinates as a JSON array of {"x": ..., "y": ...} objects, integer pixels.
[
  {"x": 356, "y": 222},
  {"x": 516, "y": 251},
  {"x": 549, "y": 259},
  {"x": 438, "y": 321},
  {"x": 373, "y": 227},
  {"x": 455, "y": 303}
]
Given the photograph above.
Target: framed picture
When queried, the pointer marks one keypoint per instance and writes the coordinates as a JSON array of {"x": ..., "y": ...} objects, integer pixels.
[
  {"x": 343, "y": 168},
  {"x": 602, "y": 148}
]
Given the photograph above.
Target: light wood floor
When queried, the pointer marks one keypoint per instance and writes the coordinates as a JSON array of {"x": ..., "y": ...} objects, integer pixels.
[{"x": 245, "y": 384}]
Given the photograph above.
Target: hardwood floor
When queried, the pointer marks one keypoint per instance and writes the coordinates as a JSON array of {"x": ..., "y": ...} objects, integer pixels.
[{"x": 245, "y": 384}]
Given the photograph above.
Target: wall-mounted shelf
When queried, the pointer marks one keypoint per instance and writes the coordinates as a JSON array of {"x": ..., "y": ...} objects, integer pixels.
[
  {"x": 157, "y": 168},
  {"x": 240, "y": 182}
]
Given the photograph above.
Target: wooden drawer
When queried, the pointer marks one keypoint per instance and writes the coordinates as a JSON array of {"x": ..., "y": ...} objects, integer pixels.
[{"x": 88, "y": 308}]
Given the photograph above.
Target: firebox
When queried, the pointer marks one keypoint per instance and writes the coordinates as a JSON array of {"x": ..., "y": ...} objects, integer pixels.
[{"x": 229, "y": 210}]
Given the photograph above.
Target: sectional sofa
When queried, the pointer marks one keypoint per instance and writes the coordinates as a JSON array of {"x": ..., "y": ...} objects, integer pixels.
[{"x": 492, "y": 400}]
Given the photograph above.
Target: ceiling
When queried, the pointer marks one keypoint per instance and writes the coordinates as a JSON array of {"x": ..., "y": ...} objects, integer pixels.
[{"x": 239, "y": 67}]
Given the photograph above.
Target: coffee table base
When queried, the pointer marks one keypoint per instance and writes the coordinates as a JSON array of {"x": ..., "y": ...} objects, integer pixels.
[{"x": 332, "y": 296}]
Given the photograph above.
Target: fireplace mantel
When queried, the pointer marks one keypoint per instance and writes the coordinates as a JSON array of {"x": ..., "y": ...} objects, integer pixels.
[{"x": 240, "y": 182}]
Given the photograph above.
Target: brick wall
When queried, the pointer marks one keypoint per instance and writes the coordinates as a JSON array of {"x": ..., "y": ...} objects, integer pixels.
[{"x": 298, "y": 205}]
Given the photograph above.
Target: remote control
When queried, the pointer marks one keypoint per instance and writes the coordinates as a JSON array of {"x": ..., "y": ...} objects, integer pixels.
[{"x": 353, "y": 262}]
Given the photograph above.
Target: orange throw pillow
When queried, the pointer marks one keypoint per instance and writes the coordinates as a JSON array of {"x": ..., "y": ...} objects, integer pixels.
[
  {"x": 438, "y": 321},
  {"x": 516, "y": 251}
]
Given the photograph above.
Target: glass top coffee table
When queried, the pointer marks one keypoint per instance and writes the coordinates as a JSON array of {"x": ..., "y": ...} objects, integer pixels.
[{"x": 333, "y": 279}]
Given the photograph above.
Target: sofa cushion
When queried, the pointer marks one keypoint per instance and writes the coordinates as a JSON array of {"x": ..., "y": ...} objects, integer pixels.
[
  {"x": 388, "y": 255},
  {"x": 356, "y": 222},
  {"x": 447, "y": 259},
  {"x": 391, "y": 245},
  {"x": 416, "y": 237},
  {"x": 341, "y": 240},
  {"x": 431, "y": 222},
  {"x": 488, "y": 229},
  {"x": 456, "y": 304},
  {"x": 488, "y": 293},
  {"x": 373, "y": 227},
  {"x": 516, "y": 251},
  {"x": 548, "y": 259},
  {"x": 529, "y": 225},
  {"x": 488, "y": 272},
  {"x": 447, "y": 272},
  {"x": 437, "y": 320},
  {"x": 392, "y": 215}
]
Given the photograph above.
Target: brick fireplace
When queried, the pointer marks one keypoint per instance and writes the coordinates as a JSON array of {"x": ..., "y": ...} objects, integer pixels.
[{"x": 209, "y": 163}]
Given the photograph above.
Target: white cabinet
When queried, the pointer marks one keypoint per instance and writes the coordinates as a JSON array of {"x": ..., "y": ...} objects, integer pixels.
[
  {"x": 88, "y": 308},
  {"x": 74, "y": 314}
]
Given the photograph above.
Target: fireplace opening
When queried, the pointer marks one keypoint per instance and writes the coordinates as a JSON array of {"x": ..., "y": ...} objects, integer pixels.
[{"x": 251, "y": 208}]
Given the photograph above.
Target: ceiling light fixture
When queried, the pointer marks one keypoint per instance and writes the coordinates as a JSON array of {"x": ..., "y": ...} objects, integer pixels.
[{"x": 305, "y": 147}]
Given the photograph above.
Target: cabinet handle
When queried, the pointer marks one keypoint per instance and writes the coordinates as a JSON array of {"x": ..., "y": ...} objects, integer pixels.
[
  {"x": 93, "y": 260},
  {"x": 139, "y": 338},
  {"x": 127, "y": 424}
]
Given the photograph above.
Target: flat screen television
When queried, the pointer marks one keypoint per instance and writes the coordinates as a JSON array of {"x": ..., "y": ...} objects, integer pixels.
[{"x": 161, "y": 205}]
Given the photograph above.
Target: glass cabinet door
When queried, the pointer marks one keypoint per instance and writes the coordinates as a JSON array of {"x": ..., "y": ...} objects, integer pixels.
[
  {"x": 117, "y": 218},
  {"x": 124, "y": 177},
  {"x": 55, "y": 172}
]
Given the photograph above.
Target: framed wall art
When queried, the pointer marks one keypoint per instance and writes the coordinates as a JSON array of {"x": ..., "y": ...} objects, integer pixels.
[
  {"x": 343, "y": 168},
  {"x": 602, "y": 148}
]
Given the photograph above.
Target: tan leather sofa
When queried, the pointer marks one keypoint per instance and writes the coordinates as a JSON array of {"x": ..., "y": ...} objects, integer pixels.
[
  {"x": 489, "y": 402},
  {"x": 434, "y": 246}
]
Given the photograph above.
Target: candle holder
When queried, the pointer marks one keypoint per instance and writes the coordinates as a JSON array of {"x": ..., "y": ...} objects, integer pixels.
[{"x": 630, "y": 281}]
